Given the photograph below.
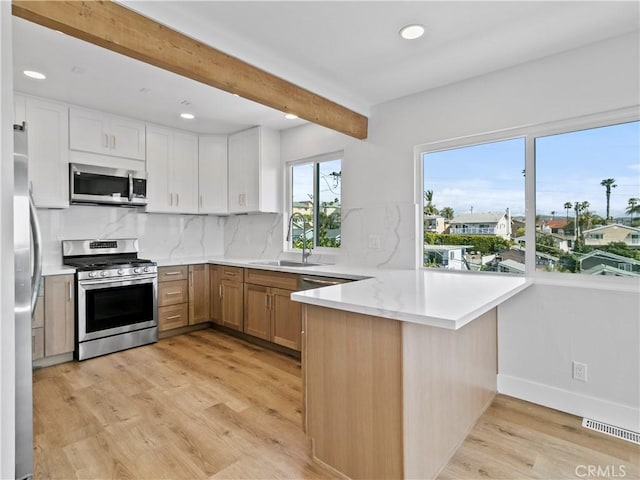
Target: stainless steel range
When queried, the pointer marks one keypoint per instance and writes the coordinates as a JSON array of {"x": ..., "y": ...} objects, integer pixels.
[{"x": 117, "y": 296}]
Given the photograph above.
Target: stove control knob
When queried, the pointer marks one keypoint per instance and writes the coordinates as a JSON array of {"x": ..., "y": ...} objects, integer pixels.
[
  {"x": 92, "y": 274},
  {"x": 120, "y": 271},
  {"x": 104, "y": 274},
  {"x": 136, "y": 270},
  {"x": 146, "y": 269}
]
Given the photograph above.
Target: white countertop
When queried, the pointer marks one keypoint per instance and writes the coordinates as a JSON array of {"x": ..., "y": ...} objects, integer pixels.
[
  {"x": 426, "y": 297},
  {"x": 48, "y": 270}
]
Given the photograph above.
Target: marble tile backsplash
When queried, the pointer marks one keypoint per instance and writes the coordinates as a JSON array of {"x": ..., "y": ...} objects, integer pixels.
[
  {"x": 262, "y": 236},
  {"x": 162, "y": 236}
]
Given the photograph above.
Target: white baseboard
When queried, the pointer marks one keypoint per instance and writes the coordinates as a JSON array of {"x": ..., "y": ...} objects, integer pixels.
[{"x": 604, "y": 411}]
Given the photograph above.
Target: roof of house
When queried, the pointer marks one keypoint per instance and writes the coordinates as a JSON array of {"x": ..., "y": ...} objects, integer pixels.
[
  {"x": 612, "y": 225},
  {"x": 604, "y": 269},
  {"x": 488, "y": 217},
  {"x": 435, "y": 248},
  {"x": 612, "y": 256},
  {"x": 512, "y": 265},
  {"x": 556, "y": 223}
]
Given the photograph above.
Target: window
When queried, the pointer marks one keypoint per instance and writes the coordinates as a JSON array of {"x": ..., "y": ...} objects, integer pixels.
[
  {"x": 315, "y": 202},
  {"x": 589, "y": 181},
  {"x": 584, "y": 188},
  {"x": 478, "y": 193}
]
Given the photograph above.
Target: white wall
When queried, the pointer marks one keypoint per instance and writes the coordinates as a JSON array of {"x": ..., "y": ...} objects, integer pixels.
[
  {"x": 378, "y": 180},
  {"x": 7, "y": 336}
]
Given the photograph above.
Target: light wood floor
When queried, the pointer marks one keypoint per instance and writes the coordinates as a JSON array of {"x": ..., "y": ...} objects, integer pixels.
[{"x": 205, "y": 405}]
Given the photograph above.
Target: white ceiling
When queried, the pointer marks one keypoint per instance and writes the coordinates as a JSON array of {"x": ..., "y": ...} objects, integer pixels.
[{"x": 349, "y": 52}]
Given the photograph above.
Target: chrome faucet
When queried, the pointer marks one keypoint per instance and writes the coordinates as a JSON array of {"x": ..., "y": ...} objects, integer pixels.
[{"x": 305, "y": 224}]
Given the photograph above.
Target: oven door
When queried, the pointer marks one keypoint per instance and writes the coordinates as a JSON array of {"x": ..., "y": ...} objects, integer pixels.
[{"x": 111, "y": 307}]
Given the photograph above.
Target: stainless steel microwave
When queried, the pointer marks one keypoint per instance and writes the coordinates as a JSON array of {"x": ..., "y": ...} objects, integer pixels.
[{"x": 104, "y": 185}]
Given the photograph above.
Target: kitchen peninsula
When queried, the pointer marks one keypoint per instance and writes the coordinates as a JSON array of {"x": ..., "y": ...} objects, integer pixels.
[{"x": 398, "y": 368}]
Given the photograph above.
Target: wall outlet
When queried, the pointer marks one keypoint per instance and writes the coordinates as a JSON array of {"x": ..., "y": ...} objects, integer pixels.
[
  {"x": 374, "y": 242},
  {"x": 580, "y": 371}
]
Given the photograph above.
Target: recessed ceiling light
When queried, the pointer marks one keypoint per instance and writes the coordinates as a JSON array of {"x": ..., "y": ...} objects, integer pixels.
[
  {"x": 411, "y": 32},
  {"x": 36, "y": 75},
  {"x": 188, "y": 116},
  {"x": 291, "y": 116}
]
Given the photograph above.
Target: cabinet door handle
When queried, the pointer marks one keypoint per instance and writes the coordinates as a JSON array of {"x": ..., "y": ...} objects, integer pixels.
[
  {"x": 171, "y": 199},
  {"x": 177, "y": 199},
  {"x": 172, "y": 273},
  {"x": 173, "y": 316},
  {"x": 113, "y": 142},
  {"x": 200, "y": 201},
  {"x": 173, "y": 293},
  {"x": 221, "y": 290},
  {"x": 70, "y": 291},
  {"x": 106, "y": 140}
]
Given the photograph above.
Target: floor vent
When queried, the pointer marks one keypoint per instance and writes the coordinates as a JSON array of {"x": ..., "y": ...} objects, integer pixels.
[{"x": 617, "y": 432}]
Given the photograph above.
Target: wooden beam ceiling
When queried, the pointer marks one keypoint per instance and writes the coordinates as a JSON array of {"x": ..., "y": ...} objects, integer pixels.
[{"x": 121, "y": 30}]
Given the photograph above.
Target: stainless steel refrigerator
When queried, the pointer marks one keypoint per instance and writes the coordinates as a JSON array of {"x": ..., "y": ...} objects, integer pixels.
[{"x": 28, "y": 269}]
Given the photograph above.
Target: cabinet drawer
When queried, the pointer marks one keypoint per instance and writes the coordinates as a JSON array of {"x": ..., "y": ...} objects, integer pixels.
[
  {"x": 172, "y": 293},
  {"x": 288, "y": 281},
  {"x": 168, "y": 274},
  {"x": 173, "y": 316},
  {"x": 233, "y": 274},
  {"x": 37, "y": 343}
]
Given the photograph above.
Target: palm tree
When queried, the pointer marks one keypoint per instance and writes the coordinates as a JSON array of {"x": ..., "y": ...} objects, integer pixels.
[
  {"x": 429, "y": 208},
  {"x": 568, "y": 206},
  {"x": 608, "y": 184},
  {"x": 553, "y": 214},
  {"x": 447, "y": 212},
  {"x": 582, "y": 214},
  {"x": 634, "y": 207}
]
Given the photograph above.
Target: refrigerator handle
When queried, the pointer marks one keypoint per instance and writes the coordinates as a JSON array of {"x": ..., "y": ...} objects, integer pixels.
[{"x": 36, "y": 278}]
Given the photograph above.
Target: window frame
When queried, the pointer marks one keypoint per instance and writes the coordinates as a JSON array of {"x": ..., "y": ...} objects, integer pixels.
[
  {"x": 288, "y": 206},
  {"x": 529, "y": 132}
]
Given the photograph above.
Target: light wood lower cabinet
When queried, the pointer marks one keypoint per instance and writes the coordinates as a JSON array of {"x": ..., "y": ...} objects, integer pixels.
[
  {"x": 59, "y": 316},
  {"x": 286, "y": 323},
  {"x": 391, "y": 399},
  {"x": 269, "y": 313},
  {"x": 257, "y": 311},
  {"x": 198, "y": 294},
  {"x": 173, "y": 316},
  {"x": 215, "y": 294},
  {"x": 173, "y": 297},
  {"x": 232, "y": 293}
]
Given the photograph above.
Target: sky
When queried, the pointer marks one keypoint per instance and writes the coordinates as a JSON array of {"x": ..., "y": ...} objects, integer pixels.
[
  {"x": 569, "y": 168},
  {"x": 303, "y": 181}
]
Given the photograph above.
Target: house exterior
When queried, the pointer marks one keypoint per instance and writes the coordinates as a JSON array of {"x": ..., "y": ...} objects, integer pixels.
[
  {"x": 616, "y": 232},
  {"x": 498, "y": 224},
  {"x": 451, "y": 257},
  {"x": 511, "y": 260},
  {"x": 434, "y": 223},
  {"x": 599, "y": 262},
  {"x": 554, "y": 226}
]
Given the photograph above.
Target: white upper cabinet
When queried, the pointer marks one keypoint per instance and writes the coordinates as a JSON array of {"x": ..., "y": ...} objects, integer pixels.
[
  {"x": 212, "y": 176},
  {"x": 172, "y": 171},
  {"x": 255, "y": 171},
  {"x": 98, "y": 132},
  {"x": 48, "y": 137}
]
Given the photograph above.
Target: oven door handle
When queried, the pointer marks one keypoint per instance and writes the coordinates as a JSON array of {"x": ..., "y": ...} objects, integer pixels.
[{"x": 106, "y": 283}]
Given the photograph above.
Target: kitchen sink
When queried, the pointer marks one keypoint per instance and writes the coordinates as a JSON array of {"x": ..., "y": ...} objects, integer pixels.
[{"x": 285, "y": 263}]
